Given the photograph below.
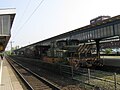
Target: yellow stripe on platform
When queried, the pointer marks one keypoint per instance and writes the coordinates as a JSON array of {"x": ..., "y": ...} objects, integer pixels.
[{"x": 116, "y": 57}]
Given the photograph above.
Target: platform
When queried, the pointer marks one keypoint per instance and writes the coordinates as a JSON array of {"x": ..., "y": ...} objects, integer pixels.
[{"x": 8, "y": 80}]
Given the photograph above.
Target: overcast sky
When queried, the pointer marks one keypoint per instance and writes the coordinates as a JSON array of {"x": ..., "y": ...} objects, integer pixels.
[{"x": 54, "y": 17}]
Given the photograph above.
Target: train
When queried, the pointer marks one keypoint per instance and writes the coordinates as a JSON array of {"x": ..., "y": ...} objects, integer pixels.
[
  {"x": 68, "y": 52},
  {"x": 73, "y": 51}
]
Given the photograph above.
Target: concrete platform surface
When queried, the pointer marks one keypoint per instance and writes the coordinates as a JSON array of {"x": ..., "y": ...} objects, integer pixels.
[{"x": 8, "y": 80}]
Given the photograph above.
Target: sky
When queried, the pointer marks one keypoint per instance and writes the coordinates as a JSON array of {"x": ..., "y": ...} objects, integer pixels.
[{"x": 53, "y": 17}]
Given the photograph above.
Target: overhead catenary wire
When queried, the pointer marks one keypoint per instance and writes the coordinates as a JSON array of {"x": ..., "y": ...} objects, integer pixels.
[
  {"x": 28, "y": 18},
  {"x": 23, "y": 14}
]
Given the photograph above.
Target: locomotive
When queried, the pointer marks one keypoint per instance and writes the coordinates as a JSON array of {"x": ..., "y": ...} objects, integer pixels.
[{"x": 70, "y": 52}]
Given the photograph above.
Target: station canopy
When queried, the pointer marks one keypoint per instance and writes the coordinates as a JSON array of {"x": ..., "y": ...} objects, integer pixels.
[{"x": 6, "y": 21}]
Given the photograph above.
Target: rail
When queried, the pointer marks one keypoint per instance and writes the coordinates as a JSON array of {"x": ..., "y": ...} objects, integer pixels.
[
  {"x": 30, "y": 73},
  {"x": 66, "y": 71}
]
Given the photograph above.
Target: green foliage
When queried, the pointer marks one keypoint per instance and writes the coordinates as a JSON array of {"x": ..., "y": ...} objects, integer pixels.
[
  {"x": 8, "y": 52},
  {"x": 108, "y": 51},
  {"x": 16, "y": 47}
]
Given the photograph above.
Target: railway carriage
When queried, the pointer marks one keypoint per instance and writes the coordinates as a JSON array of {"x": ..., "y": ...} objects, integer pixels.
[{"x": 72, "y": 53}]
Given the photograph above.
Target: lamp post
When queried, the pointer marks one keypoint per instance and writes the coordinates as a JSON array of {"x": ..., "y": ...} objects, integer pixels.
[{"x": 11, "y": 42}]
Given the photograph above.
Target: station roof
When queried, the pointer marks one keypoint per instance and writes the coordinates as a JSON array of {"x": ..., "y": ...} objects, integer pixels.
[
  {"x": 7, "y": 11},
  {"x": 102, "y": 24},
  {"x": 82, "y": 29},
  {"x": 6, "y": 20}
]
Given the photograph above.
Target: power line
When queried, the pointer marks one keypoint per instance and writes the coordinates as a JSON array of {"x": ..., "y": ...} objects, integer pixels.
[
  {"x": 23, "y": 14},
  {"x": 29, "y": 18}
]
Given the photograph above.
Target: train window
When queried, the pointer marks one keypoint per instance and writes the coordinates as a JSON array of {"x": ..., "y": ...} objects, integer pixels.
[
  {"x": 59, "y": 54},
  {"x": 116, "y": 29}
]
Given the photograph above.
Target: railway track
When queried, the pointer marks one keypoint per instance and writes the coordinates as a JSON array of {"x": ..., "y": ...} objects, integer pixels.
[
  {"x": 32, "y": 80},
  {"x": 80, "y": 75}
]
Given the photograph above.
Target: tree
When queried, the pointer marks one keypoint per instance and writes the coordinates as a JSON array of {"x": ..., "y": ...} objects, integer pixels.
[
  {"x": 108, "y": 51},
  {"x": 16, "y": 47},
  {"x": 8, "y": 52}
]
